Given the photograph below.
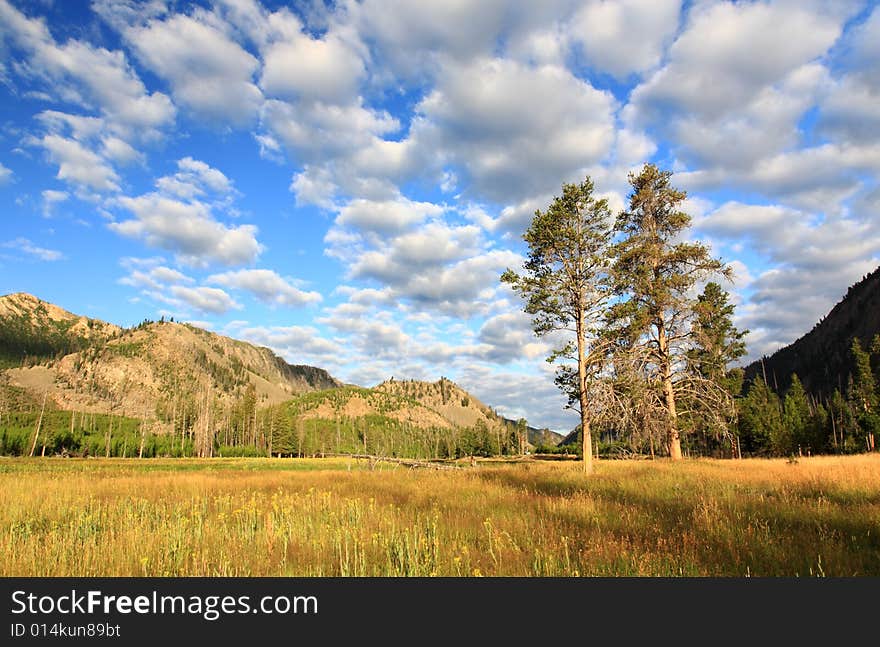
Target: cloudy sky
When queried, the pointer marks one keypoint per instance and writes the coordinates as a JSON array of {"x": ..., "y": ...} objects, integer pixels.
[{"x": 345, "y": 182}]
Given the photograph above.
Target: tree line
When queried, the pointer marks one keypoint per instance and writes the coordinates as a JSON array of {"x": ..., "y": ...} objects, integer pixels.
[
  {"x": 798, "y": 422},
  {"x": 195, "y": 422},
  {"x": 648, "y": 339}
]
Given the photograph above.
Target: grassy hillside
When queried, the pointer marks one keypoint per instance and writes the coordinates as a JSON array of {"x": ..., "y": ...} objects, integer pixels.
[
  {"x": 463, "y": 409},
  {"x": 376, "y": 421},
  {"x": 447, "y": 398},
  {"x": 159, "y": 369}
]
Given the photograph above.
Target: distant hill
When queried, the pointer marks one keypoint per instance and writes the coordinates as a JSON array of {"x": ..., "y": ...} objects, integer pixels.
[
  {"x": 89, "y": 365},
  {"x": 571, "y": 439},
  {"x": 463, "y": 409},
  {"x": 395, "y": 418},
  {"x": 538, "y": 437},
  {"x": 821, "y": 358},
  {"x": 455, "y": 404}
]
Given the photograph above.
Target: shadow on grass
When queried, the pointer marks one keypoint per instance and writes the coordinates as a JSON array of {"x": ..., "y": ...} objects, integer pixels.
[{"x": 721, "y": 531}]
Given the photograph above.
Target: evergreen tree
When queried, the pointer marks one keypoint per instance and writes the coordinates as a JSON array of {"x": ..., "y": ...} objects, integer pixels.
[
  {"x": 654, "y": 275},
  {"x": 796, "y": 419},
  {"x": 819, "y": 438},
  {"x": 863, "y": 394},
  {"x": 565, "y": 288},
  {"x": 760, "y": 418},
  {"x": 853, "y": 441},
  {"x": 281, "y": 437},
  {"x": 716, "y": 344}
]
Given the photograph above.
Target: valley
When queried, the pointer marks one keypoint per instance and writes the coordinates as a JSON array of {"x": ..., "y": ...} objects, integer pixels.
[
  {"x": 341, "y": 517},
  {"x": 164, "y": 388}
]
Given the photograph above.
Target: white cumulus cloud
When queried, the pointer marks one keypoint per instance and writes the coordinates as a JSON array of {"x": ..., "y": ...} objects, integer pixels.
[
  {"x": 208, "y": 71},
  {"x": 267, "y": 286},
  {"x": 188, "y": 229},
  {"x": 213, "y": 300},
  {"x": 515, "y": 130}
]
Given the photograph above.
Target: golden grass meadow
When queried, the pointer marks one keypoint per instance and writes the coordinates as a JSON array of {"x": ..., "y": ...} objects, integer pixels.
[{"x": 818, "y": 516}]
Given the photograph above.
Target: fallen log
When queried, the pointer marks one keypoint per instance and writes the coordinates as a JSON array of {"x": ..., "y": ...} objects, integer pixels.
[{"x": 408, "y": 462}]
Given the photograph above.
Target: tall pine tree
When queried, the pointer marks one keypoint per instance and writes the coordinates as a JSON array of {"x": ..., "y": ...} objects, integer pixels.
[
  {"x": 565, "y": 287},
  {"x": 796, "y": 420},
  {"x": 863, "y": 394},
  {"x": 716, "y": 344},
  {"x": 654, "y": 275},
  {"x": 760, "y": 418}
]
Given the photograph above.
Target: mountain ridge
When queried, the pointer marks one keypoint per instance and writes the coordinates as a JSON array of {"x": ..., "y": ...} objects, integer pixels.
[
  {"x": 37, "y": 329},
  {"x": 136, "y": 369},
  {"x": 821, "y": 357},
  {"x": 162, "y": 370}
]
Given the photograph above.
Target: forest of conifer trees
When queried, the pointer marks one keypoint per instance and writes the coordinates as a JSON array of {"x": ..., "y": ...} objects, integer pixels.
[{"x": 797, "y": 422}]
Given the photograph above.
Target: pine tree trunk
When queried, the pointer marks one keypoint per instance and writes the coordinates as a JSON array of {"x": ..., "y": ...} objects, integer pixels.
[
  {"x": 673, "y": 439},
  {"x": 586, "y": 435}
]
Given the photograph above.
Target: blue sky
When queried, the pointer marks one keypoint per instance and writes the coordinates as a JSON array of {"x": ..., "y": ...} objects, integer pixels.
[{"x": 345, "y": 182}]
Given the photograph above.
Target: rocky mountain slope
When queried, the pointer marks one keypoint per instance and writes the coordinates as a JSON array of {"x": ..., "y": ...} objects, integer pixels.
[
  {"x": 140, "y": 370},
  {"x": 401, "y": 418},
  {"x": 33, "y": 330}
]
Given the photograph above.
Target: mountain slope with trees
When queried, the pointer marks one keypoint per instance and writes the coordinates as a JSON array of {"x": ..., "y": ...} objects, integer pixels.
[
  {"x": 820, "y": 394},
  {"x": 400, "y": 418},
  {"x": 167, "y": 388},
  {"x": 33, "y": 330},
  {"x": 822, "y": 358},
  {"x": 447, "y": 398},
  {"x": 157, "y": 370}
]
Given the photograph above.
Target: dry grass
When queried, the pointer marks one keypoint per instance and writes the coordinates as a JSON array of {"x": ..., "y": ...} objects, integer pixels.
[{"x": 256, "y": 517}]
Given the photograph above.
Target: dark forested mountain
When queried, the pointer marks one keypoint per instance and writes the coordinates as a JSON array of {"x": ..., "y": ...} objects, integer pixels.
[{"x": 822, "y": 358}]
